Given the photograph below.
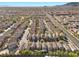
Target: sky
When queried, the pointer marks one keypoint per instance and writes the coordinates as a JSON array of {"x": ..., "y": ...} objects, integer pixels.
[{"x": 31, "y": 3}]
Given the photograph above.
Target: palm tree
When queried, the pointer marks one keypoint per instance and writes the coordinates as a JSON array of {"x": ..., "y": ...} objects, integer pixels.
[
  {"x": 27, "y": 45},
  {"x": 49, "y": 46},
  {"x": 44, "y": 47},
  {"x": 29, "y": 37},
  {"x": 46, "y": 37},
  {"x": 34, "y": 37},
  {"x": 42, "y": 36},
  {"x": 38, "y": 45},
  {"x": 50, "y": 37},
  {"x": 38, "y": 36},
  {"x": 33, "y": 46}
]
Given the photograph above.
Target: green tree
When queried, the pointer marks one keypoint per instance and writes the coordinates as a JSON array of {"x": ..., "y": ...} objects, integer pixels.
[
  {"x": 72, "y": 54},
  {"x": 26, "y": 52}
]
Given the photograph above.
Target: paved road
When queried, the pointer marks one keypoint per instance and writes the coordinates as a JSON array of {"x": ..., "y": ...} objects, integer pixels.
[
  {"x": 61, "y": 27},
  {"x": 7, "y": 30}
]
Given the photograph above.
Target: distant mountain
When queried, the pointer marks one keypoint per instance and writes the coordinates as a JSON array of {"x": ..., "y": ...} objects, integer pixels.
[{"x": 72, "y": 4}]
